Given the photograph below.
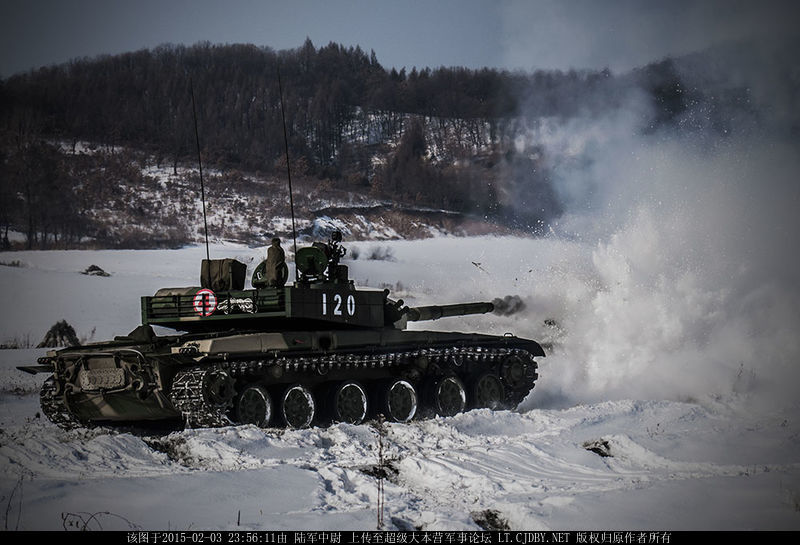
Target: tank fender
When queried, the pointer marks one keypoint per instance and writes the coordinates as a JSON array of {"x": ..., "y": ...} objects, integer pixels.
[
  {"x": 34, "y": 369},
  {"x": 254, "y": 342}
]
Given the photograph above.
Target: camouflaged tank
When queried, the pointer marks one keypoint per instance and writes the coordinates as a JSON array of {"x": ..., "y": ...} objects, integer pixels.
[{"x": 310, "y": 353}]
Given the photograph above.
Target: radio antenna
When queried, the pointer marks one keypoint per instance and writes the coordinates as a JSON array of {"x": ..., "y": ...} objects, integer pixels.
[
  {"x": 200, "y": 163},
  {"x": 288, "y": 168}
]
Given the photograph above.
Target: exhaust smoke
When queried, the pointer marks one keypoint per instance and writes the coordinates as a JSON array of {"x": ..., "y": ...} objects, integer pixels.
[{"x": 508, "y": 305}]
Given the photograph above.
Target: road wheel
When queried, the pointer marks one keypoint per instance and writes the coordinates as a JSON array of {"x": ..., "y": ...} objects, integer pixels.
[
  {"x": 399, "y": 401},
  {"x": 488, "y": 392},
  {"x": 448, "y": 395},
  {"x": 254, "y": 406},
  {"x": 298, "y": 407},
  {"x": 349, "y": 403}
]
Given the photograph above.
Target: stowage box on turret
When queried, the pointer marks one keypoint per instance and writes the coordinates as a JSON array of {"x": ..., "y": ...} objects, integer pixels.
[{"x": 310, "y": 353}]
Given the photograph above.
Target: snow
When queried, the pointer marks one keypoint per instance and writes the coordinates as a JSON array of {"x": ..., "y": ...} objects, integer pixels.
[
  {"x": 666, "y": 298},
  {"x": 683, "y": 455}
]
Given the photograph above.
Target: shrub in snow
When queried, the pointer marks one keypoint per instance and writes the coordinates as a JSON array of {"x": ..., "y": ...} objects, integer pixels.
[
  {"x": 381, "y": 253},
  {"x": 61, "y": 334},
  {"x": 94, "y": 270}
]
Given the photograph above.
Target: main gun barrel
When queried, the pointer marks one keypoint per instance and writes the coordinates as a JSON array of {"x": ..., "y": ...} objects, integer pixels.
[{"x": 434, "y": 312}]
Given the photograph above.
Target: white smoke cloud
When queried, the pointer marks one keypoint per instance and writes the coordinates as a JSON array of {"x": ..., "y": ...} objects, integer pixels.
[{"x": 689, "y": 280}]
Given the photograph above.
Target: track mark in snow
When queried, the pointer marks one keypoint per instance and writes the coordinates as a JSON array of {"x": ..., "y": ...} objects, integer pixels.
[{"x": 345, "y": 489}]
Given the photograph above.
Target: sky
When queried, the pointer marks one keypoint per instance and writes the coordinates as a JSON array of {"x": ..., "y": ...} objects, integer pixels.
[{"x": 504, "y": 34}]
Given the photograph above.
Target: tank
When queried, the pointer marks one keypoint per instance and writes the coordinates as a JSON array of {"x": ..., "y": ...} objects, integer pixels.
[{"x": 312, "y": 352}]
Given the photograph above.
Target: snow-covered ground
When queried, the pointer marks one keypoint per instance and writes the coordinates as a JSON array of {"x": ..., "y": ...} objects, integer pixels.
[{"x": 693, "y": 441}]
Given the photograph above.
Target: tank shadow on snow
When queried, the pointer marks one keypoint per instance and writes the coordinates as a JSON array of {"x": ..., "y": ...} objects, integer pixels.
[{"x": 313, "y": 352}]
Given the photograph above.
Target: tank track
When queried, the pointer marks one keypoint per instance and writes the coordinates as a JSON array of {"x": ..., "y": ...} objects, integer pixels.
[
  {"x": 55, "y": 407},
  {"x": 190, "y": 388},
  {"x": 454, "y": 356},
  {"x": 190, "y": 396}
]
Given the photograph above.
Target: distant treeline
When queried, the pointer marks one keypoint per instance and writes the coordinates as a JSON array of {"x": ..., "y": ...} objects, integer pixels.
[
  {"x": 442, "y": 137},
  {"x": 332, "y": 96}
]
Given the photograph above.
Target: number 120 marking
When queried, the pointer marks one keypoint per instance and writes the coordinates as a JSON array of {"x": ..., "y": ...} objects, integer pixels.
[{"x": 349, "y": 303}]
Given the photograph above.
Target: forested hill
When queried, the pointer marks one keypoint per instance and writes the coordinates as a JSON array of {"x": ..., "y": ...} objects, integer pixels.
[
  {"x": 444, "y": 138},
  {"x": 332, "y": 96}
]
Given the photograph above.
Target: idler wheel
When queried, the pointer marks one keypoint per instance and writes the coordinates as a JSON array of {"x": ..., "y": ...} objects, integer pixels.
[
  {"x": 298, "y": 407},
  {"x": 219, "y": 388},
  {"x": 488, "y": 392},
  {"x": 514, "y": 372},
  {"x": 448, "y": 395},
  {"x": 254, "y": 406},
  {"x": 399, "y": 401},
  {"x": 349, "y": 403}
]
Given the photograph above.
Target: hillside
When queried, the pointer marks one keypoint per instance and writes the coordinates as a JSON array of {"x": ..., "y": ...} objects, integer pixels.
[
  {"x": 475, "y": 144},
  {"x": 122, "y": 198}
]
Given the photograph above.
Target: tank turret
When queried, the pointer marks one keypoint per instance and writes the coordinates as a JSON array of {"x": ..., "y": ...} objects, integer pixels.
[{"x": 315, "y": 351}]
